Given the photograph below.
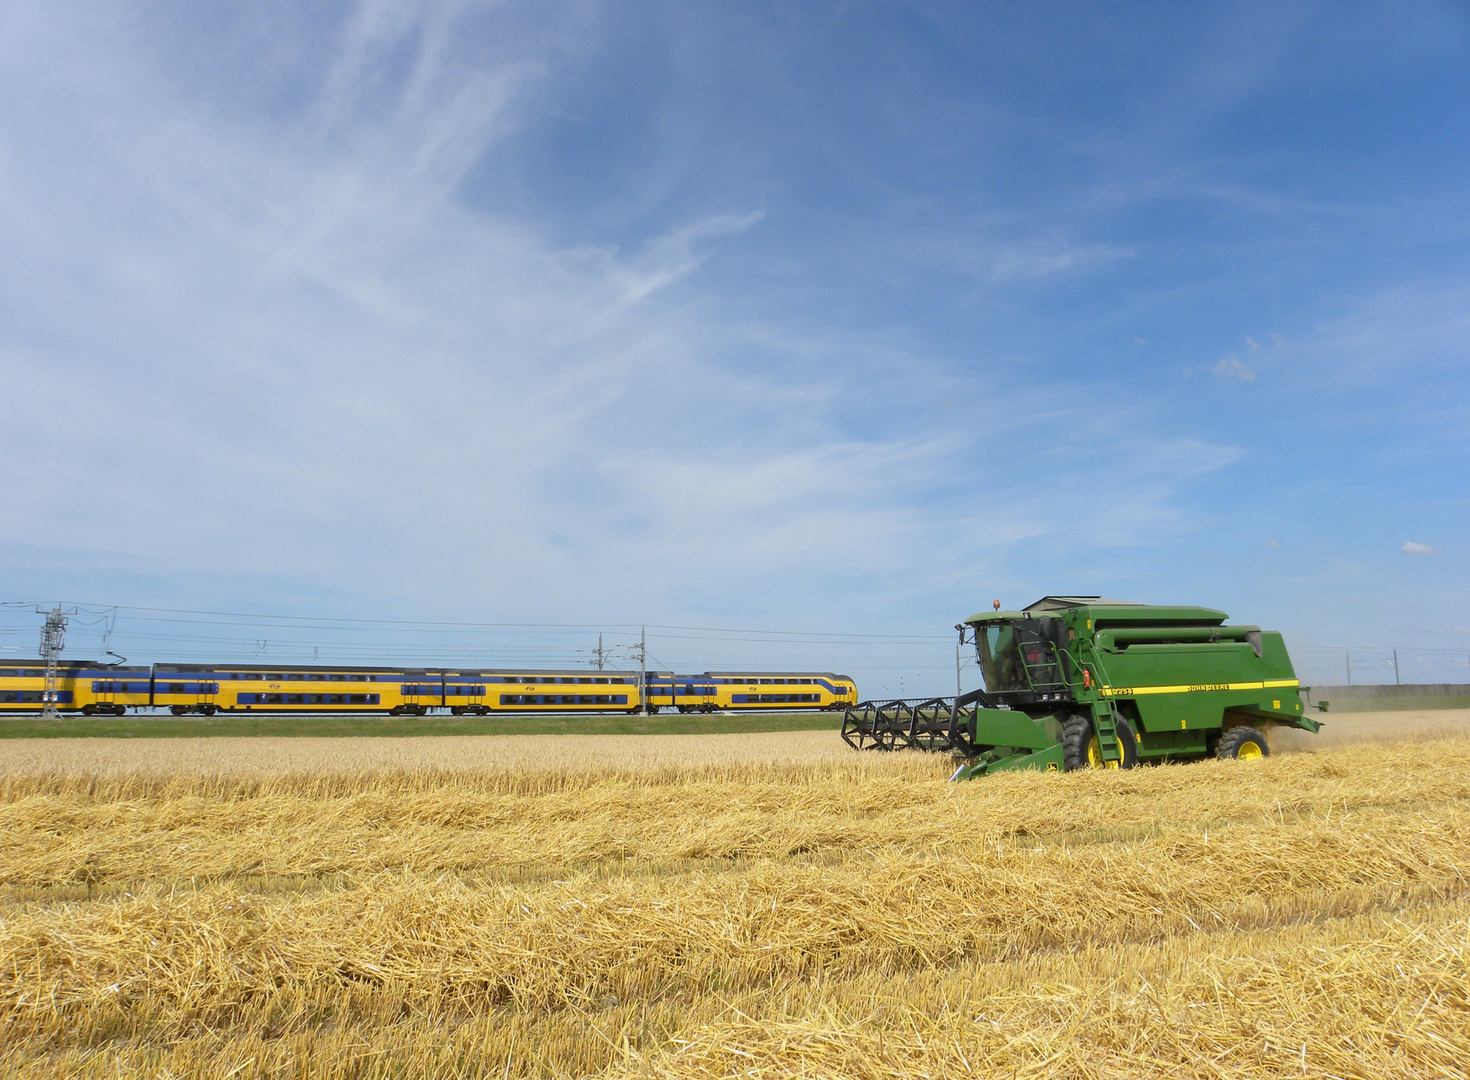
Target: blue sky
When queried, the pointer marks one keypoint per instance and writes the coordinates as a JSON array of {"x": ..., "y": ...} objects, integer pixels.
[{"x": 825, "y": 318}]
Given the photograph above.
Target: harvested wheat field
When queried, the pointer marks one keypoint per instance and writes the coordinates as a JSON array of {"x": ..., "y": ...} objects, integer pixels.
[
  {"x": 838, "y": 916},
  {"x": 516, "y": 753}
]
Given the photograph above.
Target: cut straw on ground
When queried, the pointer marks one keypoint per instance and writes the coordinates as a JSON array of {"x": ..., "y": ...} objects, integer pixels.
[{"x": 1304, "y": 916}]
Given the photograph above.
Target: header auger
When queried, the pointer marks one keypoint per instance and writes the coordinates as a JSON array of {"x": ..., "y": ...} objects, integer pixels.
[{"x": 1079, "y": 681}]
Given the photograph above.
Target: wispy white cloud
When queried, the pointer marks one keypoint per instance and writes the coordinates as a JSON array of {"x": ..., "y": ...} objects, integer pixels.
[
  {"x": 1230, "y": 367},
  {"x": 1411, "y": 548}
]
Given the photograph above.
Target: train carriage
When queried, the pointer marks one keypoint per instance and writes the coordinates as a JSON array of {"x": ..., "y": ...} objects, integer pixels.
[
  {"x": 512, "y": 690},
  {"x": 103, "y": 688},
  {"x": 200, "y": 688},
  {"x": 85, "y": 686},
  {"x": 687, "y": 693},
  {"x": 23, "y": 684},
  {"x": 745, "y": 690}
]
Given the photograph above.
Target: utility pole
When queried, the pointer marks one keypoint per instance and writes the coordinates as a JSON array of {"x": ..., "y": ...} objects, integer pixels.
[
  {"x": 1396, "y": 667},
  {"x": 1347, "y": 658},
  {"x": 643, "y": 668},
  {"x": 53, "y": 640},
  {"x": 600, "y": 653}
]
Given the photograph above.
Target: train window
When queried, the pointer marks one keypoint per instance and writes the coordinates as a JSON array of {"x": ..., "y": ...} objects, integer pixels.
[
  {"x": 618, "y": 682},
  {"x": 337, "y": 678},
  {"x": 602, "y": 681}
]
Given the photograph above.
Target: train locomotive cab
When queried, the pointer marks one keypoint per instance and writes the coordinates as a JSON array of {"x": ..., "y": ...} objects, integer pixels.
[{"x": 782, "y": 690}]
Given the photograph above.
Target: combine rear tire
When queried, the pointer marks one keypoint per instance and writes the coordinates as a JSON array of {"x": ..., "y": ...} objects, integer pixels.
[
  {"x": 1243, "y": 743},
  {"x": 1081, "y": 749}
]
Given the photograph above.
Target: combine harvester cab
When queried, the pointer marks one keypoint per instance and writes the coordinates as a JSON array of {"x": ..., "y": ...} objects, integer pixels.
[{"x": 1076, "y": 682}]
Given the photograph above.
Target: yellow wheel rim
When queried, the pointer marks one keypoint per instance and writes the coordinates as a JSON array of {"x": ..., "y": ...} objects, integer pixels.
[
  {"x": 1095, "y": 758},
  {"x": 1249, "y": 751}
]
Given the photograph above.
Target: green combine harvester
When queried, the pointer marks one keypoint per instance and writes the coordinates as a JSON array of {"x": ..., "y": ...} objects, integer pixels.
[{"x": 1075, "y": 682}]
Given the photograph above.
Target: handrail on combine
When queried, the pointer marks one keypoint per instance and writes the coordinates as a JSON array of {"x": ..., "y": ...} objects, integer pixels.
[{"x": 935, "y": 724}]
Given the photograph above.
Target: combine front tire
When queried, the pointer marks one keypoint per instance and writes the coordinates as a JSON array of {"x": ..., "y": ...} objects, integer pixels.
[
  {"x": 1243, "y": 743},
  {"x": 1081, "y": 749}
]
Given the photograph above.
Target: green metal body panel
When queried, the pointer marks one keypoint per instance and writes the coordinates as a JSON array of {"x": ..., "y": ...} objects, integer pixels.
[
  {"x": 1048, "y": 759},
  {"x": 1011, "y": 727},
  {"x": 1177, "y": 675}
]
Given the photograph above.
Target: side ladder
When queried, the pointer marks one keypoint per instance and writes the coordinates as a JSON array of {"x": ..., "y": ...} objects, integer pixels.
[
  {"x": 1105, "y": 723},
  {"x": 1104, "y": 714}
]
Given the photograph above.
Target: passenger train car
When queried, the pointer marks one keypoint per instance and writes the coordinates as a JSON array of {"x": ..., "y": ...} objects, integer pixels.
[
  {"x": 91, "y": 688},
  {"x": 718, "y": 691},
  {"x": 83, "y": 686}
]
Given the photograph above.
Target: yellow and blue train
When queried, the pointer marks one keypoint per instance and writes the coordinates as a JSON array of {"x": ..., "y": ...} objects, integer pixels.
[{"x": 92, "y": 688}]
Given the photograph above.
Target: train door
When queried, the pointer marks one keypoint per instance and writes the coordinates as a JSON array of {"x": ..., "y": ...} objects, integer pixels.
[
  {"x": 468, "y": 697},
  {"x": 416, "y": 691},
  {"x": 204, "y": 699}
]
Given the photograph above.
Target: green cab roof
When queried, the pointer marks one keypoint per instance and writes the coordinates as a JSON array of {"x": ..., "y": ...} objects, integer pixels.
[{"x": 1112, "y": 612}]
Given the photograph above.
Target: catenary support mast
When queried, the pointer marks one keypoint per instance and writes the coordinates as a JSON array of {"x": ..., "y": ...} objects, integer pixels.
[{"x": 53, "y": 640}]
